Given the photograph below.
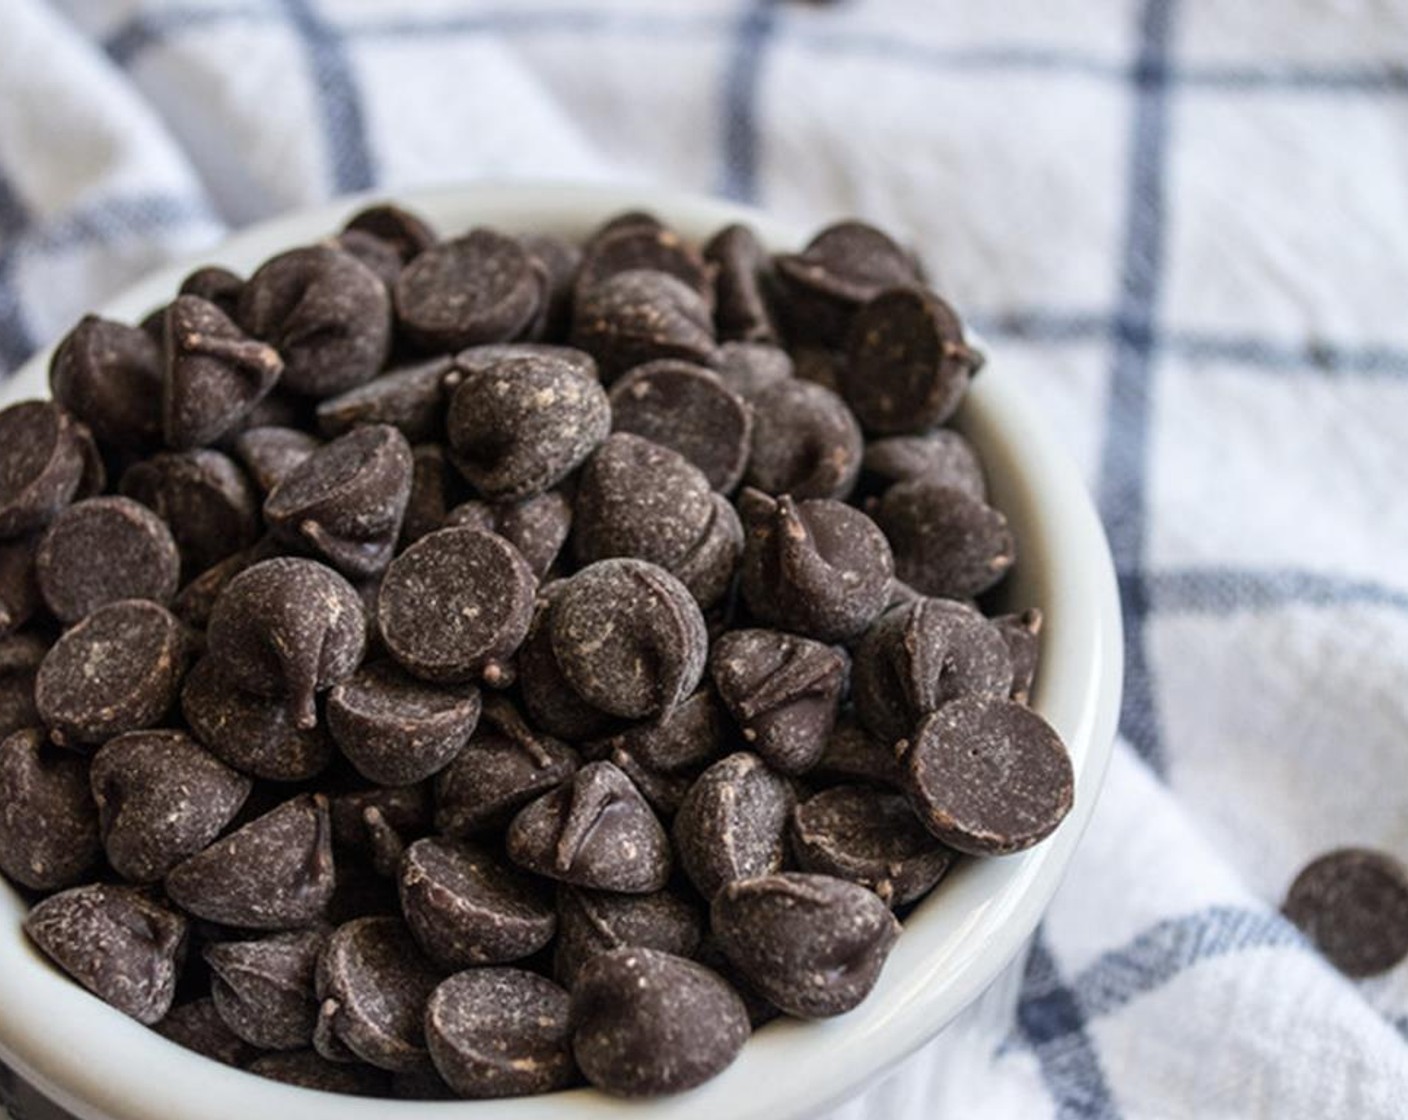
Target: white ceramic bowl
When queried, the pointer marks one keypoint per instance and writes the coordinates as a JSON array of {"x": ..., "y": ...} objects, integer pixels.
[{"x": 102, "y": 1066}]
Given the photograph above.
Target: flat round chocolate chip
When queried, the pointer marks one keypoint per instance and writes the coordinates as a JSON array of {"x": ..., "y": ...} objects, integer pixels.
[
  {"x": 328, "y": 314},
  {"x": 375, "y": 985},
  {"x": 345, "y": 502},
  {"x": 946, "y": 543},
  {"x": 944, "y": 456},
  {"x": 398, "y": 730},
  {"x": 805, "y": 442},
  {"x": 593, "y": 922},
  {"x": 411, "y": 398},
  {"x": 519, "y": 426},
  {"x": 783, "y": 691},
  {"x": 288, "y": 628},
  {"x": 1353, "y": 904},
  {"x": 645, "y": 1023},
  {"x": 907, "y": 365},
  {"x": 109, "y": 376},
  {"x": 253, "y": 734},
  {"x": 740, "y": 263},
  {"x": 921, "y": 655},
  {"x": 49, "y": 835},
  {"x": 45, "y": 456},
  {"x": 455, "y": 606},
  {"x": 643, "y": 247},
  {"x": 688, "y": 409},
  {"x": 275, "y": 873},
  {"x": 870, "y": 837},
  {"x": 818, "y": 568},
  {"x": 100, "y": 550},
  {"x": 118, "y": 670},
  {"x": 482, "y": 287},
  {"x": 733, "y": 823},
  {"x": 629, "y": 638},
  {"x": 639, "y": 316},
  {"x": 988, "y": 776},
  {"x": 263, "y": 989},
  {"x": 500, "y": 1032},
  {"x": 214, "y": 373},
  {"x": 595, "y": 830},
  {"x": 115, "y": 941},
  {"x": 161, "y": 798},
  {"x": 813, "y": 945},
  {"x": 467, "y": 908},
  {"x": 197, "y": 1027}
]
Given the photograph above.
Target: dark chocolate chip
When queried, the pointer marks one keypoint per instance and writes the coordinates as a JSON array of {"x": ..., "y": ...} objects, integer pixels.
[
  {"x": 46, "y": 461},
  {"x": 214, "y": 374},
  {"x": 844, "y": 266},
  {"x": 818, "y": 567},
  {"x": 406, "y": 809},
  {"x": 638, "y": 499},
  {"x": 254, "y": 734},
  {"x": 987, "y": 776},
  {"x": 870, "y": 837},
  {"x": 118, "y": 670},
  {"x": 1022, "y": 633},
  {"x": 646, "y": 1023},
  {"x": 688, "y": 409},
  {"x": 476, "y": 359},
  {"x": 467, "y": 908},
  {"x": 784, "y": 692},
  {"x": 411, "y": 398},
  {"x": 750, "y": 367},
  {"x": 288, "y": 629},
  {"x": 197, "y": 1027},
  {"x": 1353, "y": 904},
  {"x": 216, "y": 285},
  {"x": 852, "y": 754},
  {"x": 275, "y": 873},
  {"x": 550, "y": 701},
  {"x": 741, "y": 262},
  {"x": 161, "y": 798},
  {"x": 269, "y": 454},
  {"x": 629, "y": 638},
  {"x": 946, "y": 543},
  {"x": 907, "y": 365},
  {"x": 560, "y": 260},
  {"x": 595, "y": 830},
  {"x": 592, "y": 922},
  {"x": 456, "y": 605},
  {"x": 521, "y": 425},
  {"x": 636, "y": 247},
  {"x": 19, "y": 583},
  {"x": 328, "y": 314},
  {"x": 20, "y": 658},
  {"x": 310, "y": 1070},
  {"x": 435, "y": 487},
  {"x": 204, "y": 498},
  {"x": 109, "y": 376},
  {"x": 639, "y": 316},
  {"x": 944, "y": 456},
  {"x": 921, "y": 655},
  {"x": 100, "y": 550},
  {"x": 805, "y": 442},
  {"x": 500, "y": 1032},
  {"x": 375, "y": 984},
  {"x": 49, "y": 835},
  {"x": 733, "y": 823},
  {"x": 115, "y": 941},
  {"x": 264, "y": 989},
  {"x": 377, "y": 255},
  {"x": 505, "y": 766},
  {"x": 820, "y": 365},
  {"x": 536, "y": 526},
  {"x": 345, "y": 502},
  {"x": 398, "y": 730},
  {"x": 482, "y": 287},
  {"x": 407, "y": 233},
  {"x": 813, "y": 945}
]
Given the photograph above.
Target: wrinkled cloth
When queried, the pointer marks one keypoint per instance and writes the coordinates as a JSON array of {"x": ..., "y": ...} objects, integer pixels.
[{"x": 1181, "y": 224}]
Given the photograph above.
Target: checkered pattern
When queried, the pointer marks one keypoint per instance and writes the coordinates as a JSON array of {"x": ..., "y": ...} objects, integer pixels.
[{"x": 1182, "y": 223}]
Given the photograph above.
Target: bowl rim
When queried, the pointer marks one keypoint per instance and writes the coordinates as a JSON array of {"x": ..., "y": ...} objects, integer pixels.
[{"x": 101, "y": 1065}]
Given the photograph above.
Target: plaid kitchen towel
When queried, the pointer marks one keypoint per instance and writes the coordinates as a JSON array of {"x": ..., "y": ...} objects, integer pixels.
[{"x": 1182, "y": 223}]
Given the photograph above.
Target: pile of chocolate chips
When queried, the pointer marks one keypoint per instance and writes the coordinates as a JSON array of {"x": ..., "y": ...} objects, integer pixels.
[{"x": 467, "y": 667}]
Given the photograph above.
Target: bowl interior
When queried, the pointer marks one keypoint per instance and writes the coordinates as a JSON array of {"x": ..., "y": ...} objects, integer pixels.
[{"x": 98, "y": 1063}]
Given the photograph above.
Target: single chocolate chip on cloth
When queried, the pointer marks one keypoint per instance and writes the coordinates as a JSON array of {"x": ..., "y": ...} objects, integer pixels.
[
  {"x": 1353, "y": 904},
  {"x": 500, "y": 1032},
  {"x": 100, "y": 550},
  {"x": 646, "y": 1023},
  {"x": 47, "y": 460},
  {"x": 263, "y": 990},
  {"x": 109, "y": 376},
  {"x": 49, "y": 835},
  {"x": 592, "y": 922},
  {"x": 118, "y": 942},
  {"x": 733, "y": 823},
  {"x": 988, "y": 776}
]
